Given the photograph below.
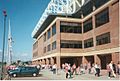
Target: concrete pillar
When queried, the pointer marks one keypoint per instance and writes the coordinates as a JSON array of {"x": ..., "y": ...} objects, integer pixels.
[
  {"x": 58, "y": 62},
  {"x": 52, "y": 60},
  {"x": 38, "y": 62},
  {"x": 97, "y": 59},
  {"x": 47, "y": 61},
  {"x": 115, "y": 57},
  {"x": 84, "y": 60},
  {"x": 93, "y": 33},
  {"x": 58, "y": 35},
  {"x": 43, "y": 61},
  {"x": 82, "y": 36}
]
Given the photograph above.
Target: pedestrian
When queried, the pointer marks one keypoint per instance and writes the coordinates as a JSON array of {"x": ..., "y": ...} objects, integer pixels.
[
  {"x": 109, "y": 70},
  {"x": 66, "y": 71},
  {"x": 54, "y": 68},
  {"x": 69, "y": 71},
  {"x": 97, "y": 68},
  {"x": 93, "y": 70},
  {"x": 89, "y": 67},
  {"x": 118, "y": 68},
  {"x": 111, "y": 67},
  {"x": 85, "y": 67},
  {"x": 78, "y": 70},
  {"x": 38, "y": 67},
  {"x": 82, "y": 69},
  {"x": 114, "y": 67},
  {"x": 74, "y": 68},
  {"x": 63, "y": 66}
]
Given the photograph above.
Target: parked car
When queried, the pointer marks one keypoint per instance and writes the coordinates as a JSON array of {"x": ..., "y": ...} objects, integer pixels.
[{"x": 24, "y": 71}]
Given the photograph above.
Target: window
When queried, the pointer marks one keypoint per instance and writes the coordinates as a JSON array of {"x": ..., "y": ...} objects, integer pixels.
[
  {"x": 87, "y": 25},
  {"x": 102, "y": 17},
  {"x": 88, "y": 43},
  {"x": 99, "y": 3},
  {"x": 54, "y": 29},
  {"x": 44, "y": 37},
  {"x": 70, "y": 27},
  {"x": 54, "y": 45},
  {"x": 103, "y": 39},
  {"x": 44, "y": 50},
  {"x": 48, "y": 48},
  {"x": 48, "y": 34},
  {"x": 71, "y": 44}
]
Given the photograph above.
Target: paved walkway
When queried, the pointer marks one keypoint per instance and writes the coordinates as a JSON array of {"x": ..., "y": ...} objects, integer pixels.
[
  {"x": 48, "y": 75},
  {"x": 61, "y": 76}
]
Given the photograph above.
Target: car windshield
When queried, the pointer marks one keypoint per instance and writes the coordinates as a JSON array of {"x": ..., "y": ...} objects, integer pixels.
[{"x": 16, "y": 68}]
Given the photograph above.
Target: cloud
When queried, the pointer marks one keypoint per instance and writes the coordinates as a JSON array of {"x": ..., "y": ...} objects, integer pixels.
[{"x": 23, "y": 56}]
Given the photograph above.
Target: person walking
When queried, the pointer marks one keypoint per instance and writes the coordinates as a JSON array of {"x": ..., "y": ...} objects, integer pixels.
[
  {"x": 114, "y": 67},
  {"x": 54, "y": 68},
  {"x": 109, "y": 70},
  {"x": 118, "y": 68},
  {"x": 66, "y": 71},
  {"x": 111, "y": 67},
  {"x": 74, "y": 68},
  {"x": 89, "y": 67},
  {"x": 69, "y": 71},
  {"x": 97, "y": 68}
]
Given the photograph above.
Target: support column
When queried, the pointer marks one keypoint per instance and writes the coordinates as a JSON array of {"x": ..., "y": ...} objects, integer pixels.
[
  {"x": 38, "y": 62},
  {"x": 52, "y": 60},
  {"x": 58, "y": 62},
  {"x": 93, "y": 33},
  {"x": 85, "y": 61},
  {"x": 97, "y": 59},
  {"x": 115, "y": 57},
  {"x": 47, "y": 61},
  {"x": 43, "y": 61}
]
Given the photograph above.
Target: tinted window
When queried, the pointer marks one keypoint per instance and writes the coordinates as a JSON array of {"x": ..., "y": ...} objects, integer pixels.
[
  {"x": 54, "y": 45},
  {"x": 103, "y": 39},
  {"x": 54, "y": 29},
  {"x": 102, "y": 17},
  {"x": 71, "y": 44},
  {"x": 70, "y": 27},
  {"x": 48, "y": 34},
  {"x": 87, "y": 25},
  {"x": 88, "y": 43}
]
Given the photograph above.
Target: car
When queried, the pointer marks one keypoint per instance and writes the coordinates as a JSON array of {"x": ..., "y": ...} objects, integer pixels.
[{"x": 24, "y": 71}]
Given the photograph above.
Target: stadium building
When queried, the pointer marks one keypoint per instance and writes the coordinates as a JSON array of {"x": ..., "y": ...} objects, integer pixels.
[{"x": 91, "y": 34}]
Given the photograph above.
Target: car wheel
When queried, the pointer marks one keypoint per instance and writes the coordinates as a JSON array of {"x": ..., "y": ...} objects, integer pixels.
[
  {"x": 14, "y": 75},
  {"x": 34, "y": 74}
]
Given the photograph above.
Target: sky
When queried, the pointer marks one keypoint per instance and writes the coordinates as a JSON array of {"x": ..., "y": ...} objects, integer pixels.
[{"x": 23, "y": 15}]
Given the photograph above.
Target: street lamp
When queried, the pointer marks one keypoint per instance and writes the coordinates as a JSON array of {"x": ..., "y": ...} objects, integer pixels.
[{"x": 2, "y": 70}]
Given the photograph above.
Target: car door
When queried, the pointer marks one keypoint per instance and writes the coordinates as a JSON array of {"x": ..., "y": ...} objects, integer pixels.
[{"x": 24, "y": 71}]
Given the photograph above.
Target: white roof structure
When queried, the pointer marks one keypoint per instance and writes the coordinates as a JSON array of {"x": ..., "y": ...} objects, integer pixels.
[{"x": 59, "y": 7}]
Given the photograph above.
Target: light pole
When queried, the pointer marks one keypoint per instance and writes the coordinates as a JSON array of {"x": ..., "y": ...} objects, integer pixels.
[{"x": 2, "y": 70}]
